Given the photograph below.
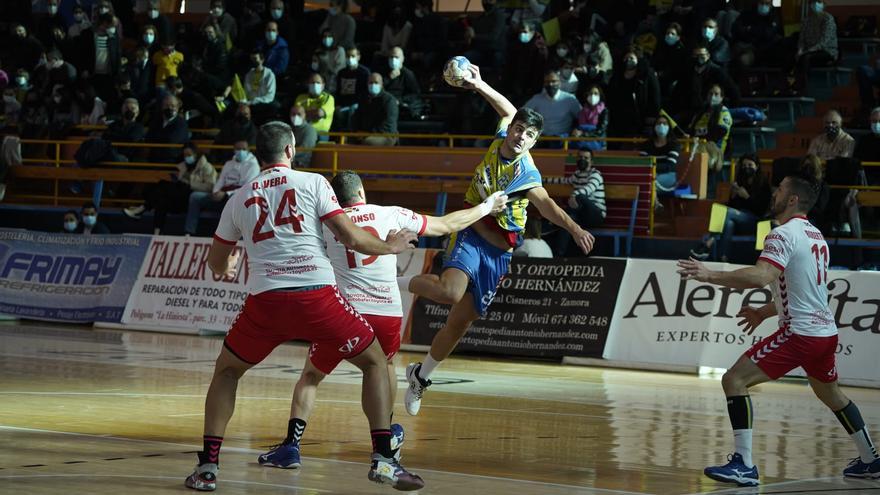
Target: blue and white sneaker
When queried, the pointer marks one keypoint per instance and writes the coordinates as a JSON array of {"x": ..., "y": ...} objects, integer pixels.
[
  {"x": 397, "y": 437},
  {"x": 858, "y": 469},
  {"x": 284, "y": 456},
  {"x": 734, "y": 471}
]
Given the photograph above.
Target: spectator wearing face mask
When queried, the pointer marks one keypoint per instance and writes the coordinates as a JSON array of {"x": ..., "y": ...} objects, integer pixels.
[
  {"x": 227, "y": 24},
  {"x": 527, "y": 58},
  {"x": 238, "y": 128},
  {"x": 868, "y": 148},
  {"x": 125, "y": 130},
  {"x": 758, "y": 35},
  {"x": 71, "y": 222},
  {"x": 11, "y": 109},
  {"x": 160, "y": 21},
  {"x": 340, "y": 24},
  {"x": 319, "y": 105},
  {"x": 99, "y": 53},
  {"x": 834, "y": 142},
  {"x": 306, "y": 136},
  {"x": 238, "y": 171},
  {"x": 719, "y": 48},
  {"x": 167, "y": 127},
  {"x": 215, "y": 60},
  {"x": 90, "y": 224},
  {"x": 279, "y": 14},
  {"x": 670, "y": 59},
  {"x": 105, "y": 7},
  {"x": 331, "y": 59},
  {"x": 259, "y": 89},
  {"x": 166, "y": 62},
  {"x": 351, "y": 88},
  {"x": 592, "y": 120},
  {"x": 49, "y": 22},
  {"x": 81, "y": 22},
  {"x": 55, "y": 71},
  {"x": 689, "y": 93},
  {"x": 634, "y": 94},
  {"x": 24, "y": 51},
  {"x": 817, "y": 42},
  {"x": 402, "y": 83},
  {"x": 586, "y": 204},
  {"x": 377, "y": 114},
  {"x": 21, "y": 84},
  {"x": 749, "y": 201},
  {"x": 665, "y": 150},
  {"x": 588, "y": 72},
  {"x": 559, "y": 109},
  {"x": 568, "y": 81},
  {"x": 275, "y": 50},
  {"x": 713, "y": 124},
  {"x": 149, "y": 40},
  {"x": 194, "y": 174}
]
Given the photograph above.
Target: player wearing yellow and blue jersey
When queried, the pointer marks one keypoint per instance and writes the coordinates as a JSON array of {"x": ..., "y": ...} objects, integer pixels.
[{"x": 478, "y": 257}]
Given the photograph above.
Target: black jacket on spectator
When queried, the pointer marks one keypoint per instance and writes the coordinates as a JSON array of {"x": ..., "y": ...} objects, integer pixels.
[
  {"x": 667, "y": 156},
  {"x": 490, "y": 29},
  {"x": 689, "y": 95},
  {"x": 98, "y": 228},
  {"x": 120, "y": 131},
  {"x": 351, "y": 85},
  {"x": 85, "y": 52},
  {"x": 405, "y": 88},
  {"x": 759, "y": 195},
  {"x": 429, "y": 34},
  {"x": 671, "y": 63},
  {"x": 524, "y": 68},
  {"x": 234, "y": 130},
  {"x": 760, "y": 31},
  {"x": 175, "y": 132},
  {"x": 46, "y": 24},
  {"x": 633, "y": 100},
  {"x": 719, "y": 50},
  {"x": 142, "y": 80},
  {"x": 22, "y": 54},
  {"x": 377, "y": 114}
]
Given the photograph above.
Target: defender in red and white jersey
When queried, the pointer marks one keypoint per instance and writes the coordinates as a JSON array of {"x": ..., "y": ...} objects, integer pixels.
[
  {"x": 369, "y": 284},
  {"x": 292, "y": 294},
  {"x": 795, "y": 262}
]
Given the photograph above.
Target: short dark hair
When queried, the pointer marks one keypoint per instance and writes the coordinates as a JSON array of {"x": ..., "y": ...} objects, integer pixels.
[
  {"x": 272, "y": 138},
  {"x": 806, "y": 188},
  {"x": 88, "y": 204},
  {"x": 72, "y": 212},
  {"x": 533, "y": 228},
  {"x": 345, "y": 185},
  {"x": 529, "y": 118}
]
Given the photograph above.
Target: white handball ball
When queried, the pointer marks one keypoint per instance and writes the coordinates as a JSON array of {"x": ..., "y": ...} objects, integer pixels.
[{"x": 455, "y": 70}]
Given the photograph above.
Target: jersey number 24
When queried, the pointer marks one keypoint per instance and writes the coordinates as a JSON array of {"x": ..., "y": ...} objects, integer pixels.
[{"x": 286, "y": 207}]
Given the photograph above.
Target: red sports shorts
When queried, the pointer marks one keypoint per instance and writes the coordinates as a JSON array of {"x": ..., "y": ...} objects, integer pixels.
[
  {"x": 387, "y": 330},
  {"x": 785, "y": 350},
  {"x": 321, "y": 316}
]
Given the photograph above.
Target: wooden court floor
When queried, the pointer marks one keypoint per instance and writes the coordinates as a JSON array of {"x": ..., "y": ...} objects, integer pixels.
[{"x": 98, "y": 411}]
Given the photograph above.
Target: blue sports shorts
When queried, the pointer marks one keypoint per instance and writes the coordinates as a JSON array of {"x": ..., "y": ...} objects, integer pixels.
[{"x": 484, "y": 264}]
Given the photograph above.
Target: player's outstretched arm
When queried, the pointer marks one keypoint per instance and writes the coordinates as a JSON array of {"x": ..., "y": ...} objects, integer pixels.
[
  {"x": 358, "y": 239},
  {"x": 460, "y": 219},
  {"x": 753, "y": 277},
  {"x": 499, "y": 102},
  {"x": 551, "y": 211}
]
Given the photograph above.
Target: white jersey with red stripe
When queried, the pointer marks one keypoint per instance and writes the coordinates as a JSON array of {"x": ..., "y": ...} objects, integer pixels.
[
  {"x": 280, "y": 215},
  {"x": 801, "y": 291},
  {"x": 369, "y": 283}
]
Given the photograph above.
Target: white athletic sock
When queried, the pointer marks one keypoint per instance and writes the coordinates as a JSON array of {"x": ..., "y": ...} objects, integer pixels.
[
  {"x": 428, "y": 366},
  {"x": 403, "y": 282},
  {"x": 867, "y": 450},
  {"x": 742, "y": 440}
]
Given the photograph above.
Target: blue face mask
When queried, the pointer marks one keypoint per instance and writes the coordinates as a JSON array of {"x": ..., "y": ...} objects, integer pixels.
[
  {"x": 374, "y": 89},
  {"x": 875, "y": 128},
  {"x": 90, "y": 220},
  {"x": 661, "y": 130},
  {"x": 70, "y": 226},
  {"x": 333, "y": 10},
  {"x": 240, "y": 155},
  {"x": 818, "y": 7},
  {"x": 671, "y": 39},
  {"x": 763, "y": 9},
  {"x": 525, "y": 37}
]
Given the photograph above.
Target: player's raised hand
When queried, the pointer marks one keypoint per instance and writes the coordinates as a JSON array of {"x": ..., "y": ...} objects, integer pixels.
[
  {"x": 751, "y": 319},
  {"x": 583, "y": 239},
  {"x": 692, "y": 269},
  {"x": 400, "y": 241},
  {"x": 472, "y": 79}
]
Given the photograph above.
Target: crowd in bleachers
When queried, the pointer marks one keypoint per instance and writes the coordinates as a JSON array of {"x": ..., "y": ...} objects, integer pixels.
[{"x": 663, "y": 70}]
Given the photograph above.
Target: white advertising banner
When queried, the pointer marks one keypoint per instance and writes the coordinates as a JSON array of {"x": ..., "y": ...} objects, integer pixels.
[
  {"x": 175, "y": 288},
  {"x": 662, "y": 319}
]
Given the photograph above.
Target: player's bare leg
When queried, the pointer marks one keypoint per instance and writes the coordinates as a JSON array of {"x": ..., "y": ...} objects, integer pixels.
[
  {"x": 448, "y": 288},
  {"x": 374, "y": 399},
  {"x": 460, "y": 317},
  {"x": 867, "y": 464},
  {"x": 219, "y": 406},
  {"x": 736, "y": 382}
]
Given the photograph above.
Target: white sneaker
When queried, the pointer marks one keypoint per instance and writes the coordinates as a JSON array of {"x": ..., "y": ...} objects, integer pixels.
[{"x": 413, "y": 398}]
